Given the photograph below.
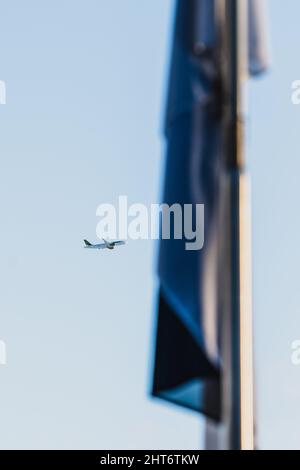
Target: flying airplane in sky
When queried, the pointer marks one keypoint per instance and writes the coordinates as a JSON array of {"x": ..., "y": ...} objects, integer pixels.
[{"x": 109, "y": 245}]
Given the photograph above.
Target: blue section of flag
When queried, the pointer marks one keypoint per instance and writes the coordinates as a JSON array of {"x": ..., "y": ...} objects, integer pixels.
[{"x": 187, "y": 361}]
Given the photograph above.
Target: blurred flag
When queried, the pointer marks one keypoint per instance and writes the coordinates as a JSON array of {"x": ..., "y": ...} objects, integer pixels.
[{"x": 188, "y": 358}]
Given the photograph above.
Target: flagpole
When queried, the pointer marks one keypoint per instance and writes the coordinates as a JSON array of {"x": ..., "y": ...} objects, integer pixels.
[{"x": 236, "y": 270}]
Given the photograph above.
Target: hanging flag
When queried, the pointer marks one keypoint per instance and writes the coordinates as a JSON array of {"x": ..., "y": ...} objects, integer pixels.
[{"x": 187, "y": 358}]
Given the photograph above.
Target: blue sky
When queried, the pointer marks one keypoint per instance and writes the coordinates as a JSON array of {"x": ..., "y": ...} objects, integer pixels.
[
  {"x": 273, "y": 155},
  {"x": 82, "y": 125}
]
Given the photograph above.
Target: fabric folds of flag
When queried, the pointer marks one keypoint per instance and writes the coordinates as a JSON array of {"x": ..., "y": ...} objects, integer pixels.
[{"x": 187, "y": 358}]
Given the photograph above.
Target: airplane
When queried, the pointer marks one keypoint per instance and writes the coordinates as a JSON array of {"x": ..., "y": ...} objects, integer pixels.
[{"x": 109, "y": 245}]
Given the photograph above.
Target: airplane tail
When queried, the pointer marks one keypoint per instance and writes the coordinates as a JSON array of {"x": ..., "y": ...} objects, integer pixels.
[{"x": 87, "y": 243}]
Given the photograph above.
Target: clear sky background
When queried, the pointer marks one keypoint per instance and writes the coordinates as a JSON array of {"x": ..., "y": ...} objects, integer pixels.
[{"x": 82, "y": 125}]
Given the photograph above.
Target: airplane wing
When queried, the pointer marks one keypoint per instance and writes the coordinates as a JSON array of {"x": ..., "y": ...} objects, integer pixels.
[{"x": 99, "y": 246}]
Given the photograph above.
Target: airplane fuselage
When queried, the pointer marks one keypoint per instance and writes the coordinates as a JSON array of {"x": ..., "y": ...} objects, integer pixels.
[{"x": 109, "y": 245}]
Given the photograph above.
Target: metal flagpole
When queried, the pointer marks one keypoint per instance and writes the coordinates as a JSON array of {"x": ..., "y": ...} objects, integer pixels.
[{"x": 235, "y": 265}]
